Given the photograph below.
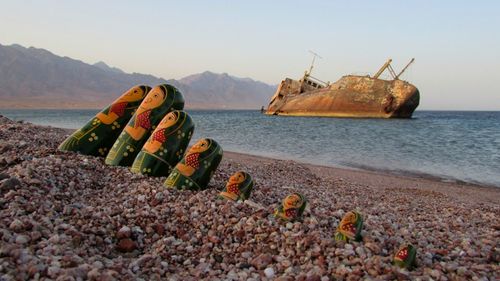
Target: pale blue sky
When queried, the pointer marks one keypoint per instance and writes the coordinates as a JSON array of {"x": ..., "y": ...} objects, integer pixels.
[{"x": 456, "y": 44}]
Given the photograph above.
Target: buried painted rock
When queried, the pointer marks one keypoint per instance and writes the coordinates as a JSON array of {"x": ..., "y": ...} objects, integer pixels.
[
  {"x": 238, "y": 187},
  {"x": 166, "y": 145},
  {"x": 160, "y": 100},
  {"x": 99, "y": 134},
  {"x": 197, "y": 167},
  {"x": 292, "y": 207},
  {"x": 406, "y": 257},
  {"x": 350, "y": 227}
]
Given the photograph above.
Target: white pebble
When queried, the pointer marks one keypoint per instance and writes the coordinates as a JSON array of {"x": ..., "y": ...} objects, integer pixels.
[
  {"x": 269, "y": 272},
  {"x": 22, "y": 239}
]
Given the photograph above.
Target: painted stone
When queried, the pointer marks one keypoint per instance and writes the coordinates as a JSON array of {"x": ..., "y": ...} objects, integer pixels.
[
  {"x": 406, "y": 257},
  {"x": 166, "y": 145},
  {"x": 291, "y": 208},
  {"x": 350, "y": 227},
  {"x": 238, "y": 187},
  {"x": 99, "y": 134},
  {"x": 197, "y": 167},
  {"x": 161, "y": 100}
]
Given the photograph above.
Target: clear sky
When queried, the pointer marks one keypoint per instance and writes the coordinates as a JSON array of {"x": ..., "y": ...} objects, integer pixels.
[{"x": 456, "y": 44}]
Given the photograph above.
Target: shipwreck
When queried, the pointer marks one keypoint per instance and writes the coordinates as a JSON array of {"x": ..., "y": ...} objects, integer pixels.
[{"x": 351, "y": 96}]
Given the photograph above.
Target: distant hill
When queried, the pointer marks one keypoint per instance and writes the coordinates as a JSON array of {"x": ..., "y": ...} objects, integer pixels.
[{"x": 37, "y": 78}]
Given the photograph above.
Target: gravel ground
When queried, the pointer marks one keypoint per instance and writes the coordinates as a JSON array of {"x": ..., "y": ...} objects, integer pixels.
[{"x": 65, "y": 216}]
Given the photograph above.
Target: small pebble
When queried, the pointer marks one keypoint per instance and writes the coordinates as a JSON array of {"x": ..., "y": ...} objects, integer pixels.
[{"x": 269, "y": 272}]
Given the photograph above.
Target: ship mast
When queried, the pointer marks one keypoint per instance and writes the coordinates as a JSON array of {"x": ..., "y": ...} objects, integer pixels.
[
  {"x": 312, "y": 81},
  {"x": 387, "y": 65},
  {"x": 315, "y": 55},
  {"x": 397, "y": 76}
]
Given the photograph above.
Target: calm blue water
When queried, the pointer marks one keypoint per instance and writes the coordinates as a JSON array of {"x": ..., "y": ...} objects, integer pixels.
[{"x": 452, "y": 145}]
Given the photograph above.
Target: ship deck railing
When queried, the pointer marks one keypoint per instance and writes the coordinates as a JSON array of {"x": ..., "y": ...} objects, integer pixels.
[{"x": 315, "y": 82}]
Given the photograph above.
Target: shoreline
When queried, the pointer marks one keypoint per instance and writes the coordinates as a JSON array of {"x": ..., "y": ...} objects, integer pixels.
[
  {"x": 382, "y": 172},
  {"x": 70, "y": 216},
  {"x": 380, "y": 179}
]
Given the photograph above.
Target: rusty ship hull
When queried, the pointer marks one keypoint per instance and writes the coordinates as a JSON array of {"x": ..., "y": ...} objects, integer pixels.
[{"x": 351, "y": 96}]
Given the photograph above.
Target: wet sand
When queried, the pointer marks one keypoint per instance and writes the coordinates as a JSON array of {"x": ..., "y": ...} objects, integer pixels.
[{"x": 66, "y": 216}]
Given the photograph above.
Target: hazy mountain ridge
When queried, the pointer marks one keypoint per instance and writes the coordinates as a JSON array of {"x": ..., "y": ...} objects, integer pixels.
[
  {"x": 102, "y": 65},
  {"x": 37, "y": 78}
]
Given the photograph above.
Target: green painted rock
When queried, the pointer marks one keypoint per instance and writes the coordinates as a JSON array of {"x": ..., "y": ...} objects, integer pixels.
[
  {"x": 238, "y": 187},
  {"x": 166, "y": 145},
  {"x": 161, "y": 100},
  {"x": 350, "y": 227},
  {"x": 291, "y": 208},
  {"x": 406, "y": 257},
  {"x": 197, "y": 167},
  {"x": 101, "y": 132}
]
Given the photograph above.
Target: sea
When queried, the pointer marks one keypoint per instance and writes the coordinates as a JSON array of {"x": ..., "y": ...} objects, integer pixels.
[{"x": 452, "y": 146}]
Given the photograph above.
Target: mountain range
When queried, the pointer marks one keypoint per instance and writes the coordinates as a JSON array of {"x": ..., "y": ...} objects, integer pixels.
[{"x": 36, "y": 78}]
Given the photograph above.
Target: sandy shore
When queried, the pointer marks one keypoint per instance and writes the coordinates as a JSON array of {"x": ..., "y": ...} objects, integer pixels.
[
  {"x": 380, "y": 180},
  {"x": 65, "y": 216}
]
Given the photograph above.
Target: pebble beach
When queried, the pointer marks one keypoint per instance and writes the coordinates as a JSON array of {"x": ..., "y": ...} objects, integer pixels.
[{"x": 65, "y": 216}]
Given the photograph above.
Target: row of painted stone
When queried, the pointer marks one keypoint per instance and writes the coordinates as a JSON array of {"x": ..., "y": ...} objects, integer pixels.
[
  {"x": 154, "y": 138},
  {"x": 349, "y": 228},
  {"x": 293, "y": 206}
]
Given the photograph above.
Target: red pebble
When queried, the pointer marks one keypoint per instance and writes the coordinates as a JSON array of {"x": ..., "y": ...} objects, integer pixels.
[{"x": 126, "y": 245}]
